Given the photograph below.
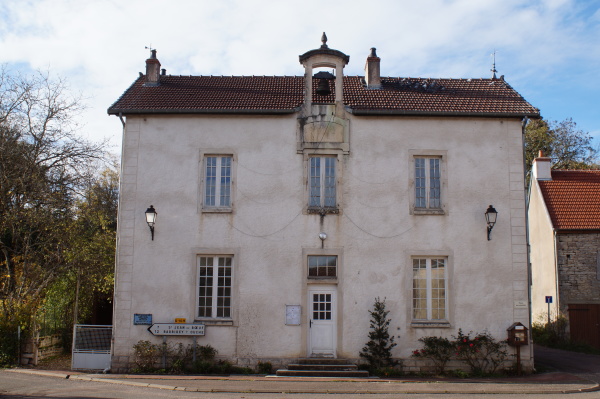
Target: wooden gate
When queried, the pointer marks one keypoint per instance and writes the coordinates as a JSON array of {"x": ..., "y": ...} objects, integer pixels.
[{"x": 584, "y": 323}]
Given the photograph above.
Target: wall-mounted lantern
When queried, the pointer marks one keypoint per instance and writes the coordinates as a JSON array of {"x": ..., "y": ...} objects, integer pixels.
[
  {"x": 490, "y": 217},
  {"x": 323, "y": 237},
  {"x": 151, "y": 219}
]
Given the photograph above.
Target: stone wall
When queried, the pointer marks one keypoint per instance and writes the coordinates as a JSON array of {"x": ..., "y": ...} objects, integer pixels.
[
  {"x": 36, "y": 349},
  {"x": 578, "y": 269}
]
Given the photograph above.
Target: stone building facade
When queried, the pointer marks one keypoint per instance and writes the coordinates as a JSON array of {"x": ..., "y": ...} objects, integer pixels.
[
  {"x": 287, "y": 204},
  {"x": 578, "y": 268}
]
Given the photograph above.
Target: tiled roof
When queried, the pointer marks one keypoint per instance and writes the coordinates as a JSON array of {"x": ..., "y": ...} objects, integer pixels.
[
  {"x": 258, "y": 94},
  {"x": 573, "y": 199}
]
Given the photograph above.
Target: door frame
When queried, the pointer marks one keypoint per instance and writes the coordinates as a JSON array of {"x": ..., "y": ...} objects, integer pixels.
[{"x": 329, "y": 289}]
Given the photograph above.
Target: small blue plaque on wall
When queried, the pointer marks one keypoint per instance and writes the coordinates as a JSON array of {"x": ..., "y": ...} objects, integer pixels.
[{"x": 144, "y": 319}]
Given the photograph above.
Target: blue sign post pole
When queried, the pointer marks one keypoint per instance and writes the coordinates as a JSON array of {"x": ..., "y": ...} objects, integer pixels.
[{"x": 548, "y": 301}]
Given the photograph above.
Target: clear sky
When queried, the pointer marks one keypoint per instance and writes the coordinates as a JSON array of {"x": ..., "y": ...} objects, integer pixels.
[{"x": 548, "y": 50}]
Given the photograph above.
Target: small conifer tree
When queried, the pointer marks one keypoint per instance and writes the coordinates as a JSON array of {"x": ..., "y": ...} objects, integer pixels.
[{"x": 378, "y": 351}]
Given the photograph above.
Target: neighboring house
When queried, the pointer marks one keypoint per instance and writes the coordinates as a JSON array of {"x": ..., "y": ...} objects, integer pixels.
[
  {"x": 564, "y": 231},
  {"x": 287, "y": 204}
]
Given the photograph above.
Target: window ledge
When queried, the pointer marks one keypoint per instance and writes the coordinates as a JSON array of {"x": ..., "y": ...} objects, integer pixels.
[
  {"x": 430, "y": 324},
  {"x": 322, "y": 280},
  {"x": 322, "y": 211},
  {"x": 425, "y": 211},
  {"x": 213, "y": 322},
  {"x": 217, "y": 210}
]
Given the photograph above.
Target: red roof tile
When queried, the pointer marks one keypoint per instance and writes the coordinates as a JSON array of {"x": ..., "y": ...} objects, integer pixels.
[
  {"x": 573, "y": 199},
  {"x": 275, "y": 94}
]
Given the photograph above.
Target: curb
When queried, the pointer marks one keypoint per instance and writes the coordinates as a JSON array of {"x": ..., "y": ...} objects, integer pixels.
[{"x": 409, "y": 390}]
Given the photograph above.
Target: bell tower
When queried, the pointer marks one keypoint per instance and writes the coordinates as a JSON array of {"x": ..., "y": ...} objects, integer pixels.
[
  {"x": 324, "y": 57},
  {"x": 323, "y": 123}
]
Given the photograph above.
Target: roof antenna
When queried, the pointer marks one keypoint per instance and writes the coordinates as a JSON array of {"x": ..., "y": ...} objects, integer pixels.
[
  {"x": 150, "y": 48},
  {"x": 494, "y": 64}
]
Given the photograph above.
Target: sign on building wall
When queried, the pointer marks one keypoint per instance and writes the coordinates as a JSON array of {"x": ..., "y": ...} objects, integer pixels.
[
  {"x": 143, "y": 319},
  {"x": 292, "y": 315},
  {"x": 176, "y": 329}
]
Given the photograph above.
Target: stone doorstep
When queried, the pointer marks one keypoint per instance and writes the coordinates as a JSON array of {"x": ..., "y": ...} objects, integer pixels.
[
  {"x": 322, "y": 373},
  {"x": 322, "y": 367},
  {"x": 322, "y": 360},
  {"x": 330, "y": 367}
]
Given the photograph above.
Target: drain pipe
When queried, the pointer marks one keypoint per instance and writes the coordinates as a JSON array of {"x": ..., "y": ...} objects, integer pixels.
[{"x": 526, "y": 191}]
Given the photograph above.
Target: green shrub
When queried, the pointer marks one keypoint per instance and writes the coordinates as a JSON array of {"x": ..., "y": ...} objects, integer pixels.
[
  {"x": 553, "y": 334},
  {"x": 223, "y": 367},
  {"x": 265, "y": 368},
  {"x": 201, "y": 366},
  {"x": 241, "y": 370},
  {"x": 207, "y": 352},
  {"x": 179, "y": 357},
  {"x": 459, "y": 374},
  {"x": 387, "y": 372},
  {"x": 146, "y": 356},
  {"x": 437, "y": 349},
  {"x": 482, "y": 353}
]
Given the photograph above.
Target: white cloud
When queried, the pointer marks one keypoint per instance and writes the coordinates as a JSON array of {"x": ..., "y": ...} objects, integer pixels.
[{"x": 99, "y": 45}]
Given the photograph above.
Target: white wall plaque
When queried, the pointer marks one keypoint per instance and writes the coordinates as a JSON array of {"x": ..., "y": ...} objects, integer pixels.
[
  {"x": 292, "y": 315},
  {"x": 520, "y": 304}
]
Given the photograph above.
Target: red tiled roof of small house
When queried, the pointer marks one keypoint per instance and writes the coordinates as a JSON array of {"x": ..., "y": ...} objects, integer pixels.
[{"x": 572, "y": 198}]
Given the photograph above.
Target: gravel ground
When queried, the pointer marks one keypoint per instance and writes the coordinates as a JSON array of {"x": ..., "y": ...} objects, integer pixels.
[{"x": 59, "y": 362}]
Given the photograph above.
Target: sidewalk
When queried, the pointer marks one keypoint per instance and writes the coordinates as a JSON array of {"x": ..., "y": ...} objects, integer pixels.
[{"x": 550, "y": 383}]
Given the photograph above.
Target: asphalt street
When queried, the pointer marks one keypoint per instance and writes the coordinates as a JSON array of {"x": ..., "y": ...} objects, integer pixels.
[{"x": 567, "y": 374}]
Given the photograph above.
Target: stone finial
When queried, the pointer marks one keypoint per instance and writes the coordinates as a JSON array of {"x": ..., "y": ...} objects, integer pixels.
[{"x": 324, "y": 40}]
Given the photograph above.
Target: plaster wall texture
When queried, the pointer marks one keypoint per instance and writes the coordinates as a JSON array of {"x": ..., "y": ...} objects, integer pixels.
[
  {"x": 269, "y": 234},
  {"x": 543, "y": 257}
]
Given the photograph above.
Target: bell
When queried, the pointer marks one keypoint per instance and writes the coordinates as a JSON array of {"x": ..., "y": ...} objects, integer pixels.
[{"x": 323, "y": 88}]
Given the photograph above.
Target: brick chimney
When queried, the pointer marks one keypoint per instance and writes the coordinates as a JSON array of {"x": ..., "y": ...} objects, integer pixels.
[
  {"x": 372, "y": 75},
  {"x": 152, "y": 70},
  {"x": 541, "y": 167}
]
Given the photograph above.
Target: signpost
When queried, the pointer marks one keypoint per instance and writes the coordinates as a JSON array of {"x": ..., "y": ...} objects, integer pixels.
[
  {"x": 176, "y": 329},
  {"x": 548, "y": 301},
  {"x": 165, "y": 329}
]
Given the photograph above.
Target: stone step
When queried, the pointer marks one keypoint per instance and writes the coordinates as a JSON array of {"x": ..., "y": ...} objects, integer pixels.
[
  {"x": 321, "y": 360},
  {"x": 330, "y": 367},
  {"x": 322, "y": 373},
  {"x": 322, "y": 367}
]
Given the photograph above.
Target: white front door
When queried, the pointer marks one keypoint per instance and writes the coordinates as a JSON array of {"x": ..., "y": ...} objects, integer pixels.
[{"x": 322, "y": 321}]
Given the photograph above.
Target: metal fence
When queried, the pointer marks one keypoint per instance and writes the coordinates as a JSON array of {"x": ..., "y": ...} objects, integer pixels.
[{"x": 91, "y": 347}]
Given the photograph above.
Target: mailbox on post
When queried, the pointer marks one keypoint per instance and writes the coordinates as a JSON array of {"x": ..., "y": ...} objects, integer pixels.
[{"x": 517, "y": 335}]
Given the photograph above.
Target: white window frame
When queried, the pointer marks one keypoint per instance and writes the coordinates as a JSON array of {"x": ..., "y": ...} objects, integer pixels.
[
  {"x": 325, "y": 257},
  {"x": 431, "y": 207},
  {"x": 311, "y": 251},
  {"x": 222, "y": 203},
  {"x": 429, "y": 290},
  {"x": 216, "y": 283},
  {"x": 323, "y": 193}
]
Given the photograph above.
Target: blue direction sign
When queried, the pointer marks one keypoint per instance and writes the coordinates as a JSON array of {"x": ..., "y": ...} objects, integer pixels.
[
  {"x": 176, "y": 329},
  {"x": 549, "y": 299}
]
